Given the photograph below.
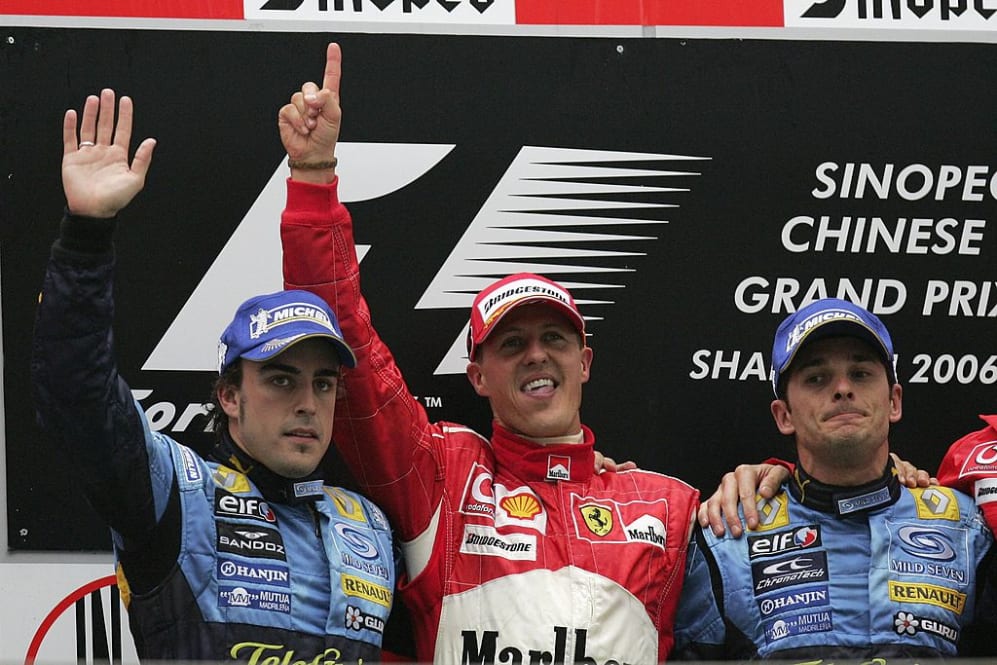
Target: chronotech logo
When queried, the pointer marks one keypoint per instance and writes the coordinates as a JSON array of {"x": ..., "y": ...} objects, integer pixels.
[{"x": 516, "y": 227}]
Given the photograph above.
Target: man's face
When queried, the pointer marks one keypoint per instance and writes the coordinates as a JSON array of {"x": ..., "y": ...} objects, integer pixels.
[
  {"x": 839, "y": 405},
  {"x": 531, "y": 369},
  {"x": 282, "y": 413}
]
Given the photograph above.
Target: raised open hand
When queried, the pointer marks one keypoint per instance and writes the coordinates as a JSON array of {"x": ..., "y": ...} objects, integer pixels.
[{"x": 96, "y": 176}]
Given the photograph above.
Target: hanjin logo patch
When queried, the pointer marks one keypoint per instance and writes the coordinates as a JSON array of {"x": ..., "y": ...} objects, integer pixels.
[{"x": 257, "y": 572}]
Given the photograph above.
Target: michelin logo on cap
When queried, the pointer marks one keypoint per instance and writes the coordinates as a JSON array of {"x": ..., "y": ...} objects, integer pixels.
[
  {"x": 800, "y": 331},
  {"x": 265, "y": 320}
]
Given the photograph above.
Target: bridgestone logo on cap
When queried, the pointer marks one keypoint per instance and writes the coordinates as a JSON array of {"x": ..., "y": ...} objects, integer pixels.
[
  {"x": 497, "y": 303},
  {"x": 264, "y": 320}
]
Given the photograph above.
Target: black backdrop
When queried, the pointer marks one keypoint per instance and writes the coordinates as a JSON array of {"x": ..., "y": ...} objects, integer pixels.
[{"x": 765, "y": 113}]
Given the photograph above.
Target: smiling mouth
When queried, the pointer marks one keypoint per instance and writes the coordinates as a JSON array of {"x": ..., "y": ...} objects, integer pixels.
[{"x": 539, "y": 384}]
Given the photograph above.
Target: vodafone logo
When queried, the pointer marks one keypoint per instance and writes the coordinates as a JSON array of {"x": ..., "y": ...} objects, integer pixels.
[
  {"x": 981, "y": 461},
  {"x": 478, "y": 496},
  {"x": 987, "y": 456}
]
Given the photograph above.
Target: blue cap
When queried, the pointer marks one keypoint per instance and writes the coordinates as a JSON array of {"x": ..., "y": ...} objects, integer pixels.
[
  {"x": 267, "y": 325},
  {"x": 829, "y": 317}
]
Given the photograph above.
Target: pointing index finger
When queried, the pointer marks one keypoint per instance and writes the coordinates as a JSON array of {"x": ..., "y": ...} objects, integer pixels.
[{"x": 333, "y": 68}]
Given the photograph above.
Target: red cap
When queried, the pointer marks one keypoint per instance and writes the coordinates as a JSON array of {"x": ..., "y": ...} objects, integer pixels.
[
  {"x": 495, "y": 301},
  {"x": 970, "y": 466}
]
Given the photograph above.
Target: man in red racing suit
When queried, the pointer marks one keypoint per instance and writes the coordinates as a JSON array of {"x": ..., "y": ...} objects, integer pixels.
[{"x": 516, "y": 550}]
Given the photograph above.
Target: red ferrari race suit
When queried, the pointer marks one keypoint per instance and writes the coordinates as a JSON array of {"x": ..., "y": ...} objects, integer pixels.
[
  {"x": 970, "y": 466},
  {"x": 515, "y": 552}
]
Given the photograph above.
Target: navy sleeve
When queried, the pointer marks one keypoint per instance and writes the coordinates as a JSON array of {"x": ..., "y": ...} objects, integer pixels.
[{"x": 80, "y": 399}]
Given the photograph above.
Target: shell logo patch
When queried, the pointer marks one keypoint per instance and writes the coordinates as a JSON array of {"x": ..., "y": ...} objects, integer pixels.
[{"x": 522, "y": 506}]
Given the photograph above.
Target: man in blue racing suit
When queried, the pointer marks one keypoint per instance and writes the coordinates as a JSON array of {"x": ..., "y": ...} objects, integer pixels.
[
  {"x": 845, "y": 562},
  {"x": 245, "y": 557}
]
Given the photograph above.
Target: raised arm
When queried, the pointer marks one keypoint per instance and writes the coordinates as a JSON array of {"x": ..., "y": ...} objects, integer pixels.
[
  {"x": 380, "y": 430},
  {"x": 81, "y": 400}
]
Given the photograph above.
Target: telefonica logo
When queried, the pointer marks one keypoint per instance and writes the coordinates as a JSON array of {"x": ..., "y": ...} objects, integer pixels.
[{"x": 534, "y": 218}]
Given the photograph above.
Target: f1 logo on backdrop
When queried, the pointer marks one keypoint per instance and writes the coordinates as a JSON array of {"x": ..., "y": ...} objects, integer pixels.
[
  {"x": 530, "y": 222},
  {"x": 901, "y": 14}
]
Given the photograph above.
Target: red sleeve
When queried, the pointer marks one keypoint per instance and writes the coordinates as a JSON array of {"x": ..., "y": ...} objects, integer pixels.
[
  {"x": 970, "y": 466},
  {"x": 789, "y": 466},
  {"x": 381, "y": 431}
]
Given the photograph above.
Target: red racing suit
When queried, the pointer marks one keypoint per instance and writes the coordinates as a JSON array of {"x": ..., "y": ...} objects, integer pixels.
[
  {"x": 970, "y": 466},
  {"x": 516, "y": 552}
]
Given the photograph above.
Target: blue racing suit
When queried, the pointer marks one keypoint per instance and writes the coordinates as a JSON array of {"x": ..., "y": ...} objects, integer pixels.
[
  {"x": 217, "y": 559},
  {"x": 877, "y": 571}
]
